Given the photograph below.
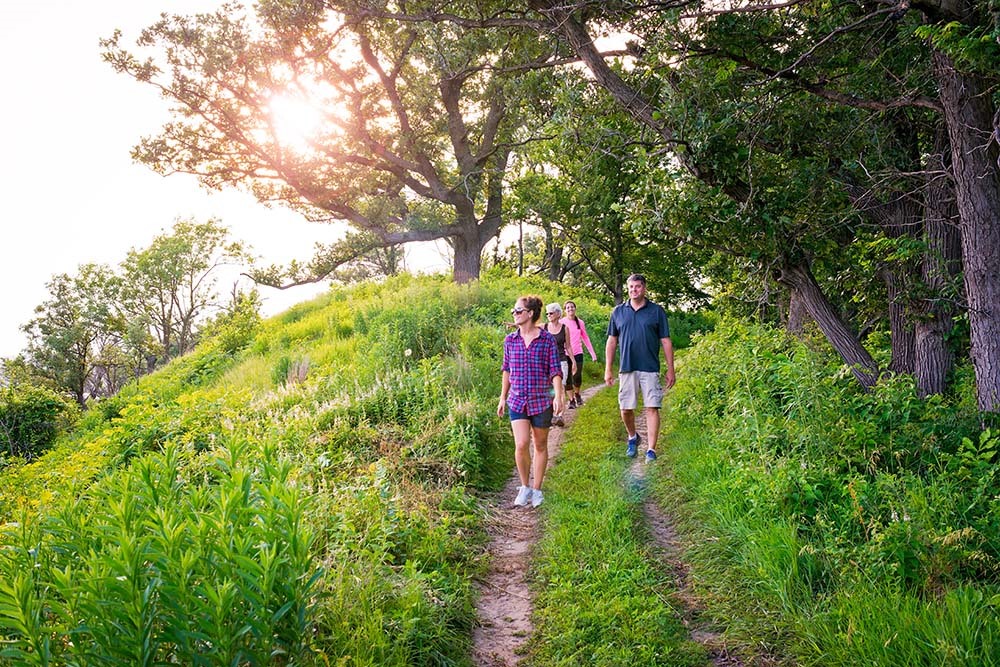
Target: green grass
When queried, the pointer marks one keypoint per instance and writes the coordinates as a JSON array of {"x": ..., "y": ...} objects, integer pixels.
[
  {"x": 831, "y": 526},
  {"x": 601, "y": 597}
]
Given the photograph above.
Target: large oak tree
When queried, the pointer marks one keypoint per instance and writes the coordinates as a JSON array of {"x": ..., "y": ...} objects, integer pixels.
[{"x": 412, "y": 122}]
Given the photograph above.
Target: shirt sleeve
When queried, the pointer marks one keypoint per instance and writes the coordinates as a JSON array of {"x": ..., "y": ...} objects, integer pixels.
[
  {"x": 612, "y": 325},
  {"x": 662, "y": 325},
  {"x": 506, "y": 356}
]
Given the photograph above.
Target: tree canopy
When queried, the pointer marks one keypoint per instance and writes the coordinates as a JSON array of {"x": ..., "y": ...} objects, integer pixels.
[{"x": 841, "y": 160}]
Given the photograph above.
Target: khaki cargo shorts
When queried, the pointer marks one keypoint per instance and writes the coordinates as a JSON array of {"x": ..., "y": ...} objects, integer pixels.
[{"x": 630, "y": 385}]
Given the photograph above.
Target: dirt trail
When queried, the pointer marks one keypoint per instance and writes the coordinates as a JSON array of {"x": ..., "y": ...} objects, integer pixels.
[{"x": 505, "y": 600}]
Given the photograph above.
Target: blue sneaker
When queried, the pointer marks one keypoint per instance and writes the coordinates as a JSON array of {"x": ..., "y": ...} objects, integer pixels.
[
  {"x": 633, "y": 446},
  {"x": 650, "y": 456}
]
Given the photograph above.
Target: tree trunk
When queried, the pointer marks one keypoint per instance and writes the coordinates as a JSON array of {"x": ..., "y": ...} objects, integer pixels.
[
  {"x": 554, "y": 249},
  {"x": 974, "y": 153},
  {"x": 797, "y": 314},
  {"x": 902, "y": 338},
  {"x": 800, "y": 279},
  {"x": 468, "y": 257},
  {"x": 941, "y": 265}
]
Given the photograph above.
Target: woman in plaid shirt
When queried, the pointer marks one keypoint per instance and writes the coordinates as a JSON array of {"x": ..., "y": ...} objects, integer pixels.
[{"x": 530, "y": 370}]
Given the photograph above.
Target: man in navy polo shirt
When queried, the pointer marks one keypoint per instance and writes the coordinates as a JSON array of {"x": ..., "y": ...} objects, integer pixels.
[{"x": 639, "y": 328}]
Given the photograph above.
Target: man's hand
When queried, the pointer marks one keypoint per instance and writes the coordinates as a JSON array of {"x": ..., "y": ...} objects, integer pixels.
[
  {"x": 670, "y": 378},
  {"x": 609, "y": 378}
]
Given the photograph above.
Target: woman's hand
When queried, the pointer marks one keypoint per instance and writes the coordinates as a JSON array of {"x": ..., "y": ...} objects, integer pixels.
[{"x": 559, "y": 403}]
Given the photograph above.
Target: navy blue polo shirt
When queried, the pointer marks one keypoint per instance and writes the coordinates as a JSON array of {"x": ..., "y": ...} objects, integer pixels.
[{"x": 639, "y": 333}]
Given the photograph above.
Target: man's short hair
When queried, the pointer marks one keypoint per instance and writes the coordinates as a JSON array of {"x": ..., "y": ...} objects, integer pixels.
[{"x": 636, "y": 278}]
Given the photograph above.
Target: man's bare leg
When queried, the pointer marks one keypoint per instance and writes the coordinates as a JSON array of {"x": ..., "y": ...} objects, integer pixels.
[
  {"x": 652, "y": 427},
  {"x": 628, "y": 418}
]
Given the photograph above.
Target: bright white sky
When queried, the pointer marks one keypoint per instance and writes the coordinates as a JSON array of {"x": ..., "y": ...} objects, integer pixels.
[{"x": 69, "y": 191}]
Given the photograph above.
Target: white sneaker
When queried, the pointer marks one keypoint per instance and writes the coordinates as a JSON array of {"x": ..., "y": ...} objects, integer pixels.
[
  {"x": 523, "y": 496},
  {"x": 536, "y": 497}
]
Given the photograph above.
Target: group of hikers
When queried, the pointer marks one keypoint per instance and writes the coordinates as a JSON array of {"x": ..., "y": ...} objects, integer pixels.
[{"x": 543, "y": 374}]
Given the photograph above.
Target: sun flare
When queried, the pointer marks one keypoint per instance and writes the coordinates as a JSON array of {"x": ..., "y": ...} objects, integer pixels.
[{"x": 295, "y": 121}]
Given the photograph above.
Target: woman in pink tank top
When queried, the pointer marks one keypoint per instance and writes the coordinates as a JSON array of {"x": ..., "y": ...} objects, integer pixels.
[{"x": 578, "y": 339}]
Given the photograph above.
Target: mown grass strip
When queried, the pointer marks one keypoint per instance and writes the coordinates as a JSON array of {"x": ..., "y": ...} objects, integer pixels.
[{"x": 602, "y": 598}]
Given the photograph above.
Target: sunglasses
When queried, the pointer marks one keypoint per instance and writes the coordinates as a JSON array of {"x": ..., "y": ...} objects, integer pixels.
[
  {"x": 553, "y": 312},
  {"x": 517, "y": 311}
]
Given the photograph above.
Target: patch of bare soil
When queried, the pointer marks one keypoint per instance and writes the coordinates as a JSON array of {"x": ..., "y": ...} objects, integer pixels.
[
  {"x": 504, "y": 606},
  {"x": 667, "y": 546}
]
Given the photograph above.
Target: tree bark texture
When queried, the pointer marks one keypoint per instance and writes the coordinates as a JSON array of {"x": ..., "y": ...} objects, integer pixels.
[
  {"x": 800, "y": 279},
  {"x": 797, "y": 313},
  {"x": 941, "y": 266},
  {"x": 468, "y": 257},
  {"x": 974, "y": 153},
  {"x": 902, "y": 338}
]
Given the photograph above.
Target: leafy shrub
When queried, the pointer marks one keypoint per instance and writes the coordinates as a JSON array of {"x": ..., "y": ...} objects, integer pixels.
[
  {"x": 684, "y": 325},
  {"x": 30, "y": 419},
  {"x": 152, "y": 569},
  {"x": 236, "y": 329}
]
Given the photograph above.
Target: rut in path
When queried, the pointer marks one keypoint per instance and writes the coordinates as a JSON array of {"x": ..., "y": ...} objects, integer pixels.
[{"x": 667, "y": 548}]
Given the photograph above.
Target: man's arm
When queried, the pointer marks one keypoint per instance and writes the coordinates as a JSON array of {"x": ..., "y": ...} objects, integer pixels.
[
  {"x": 609, "y": 357},
  {"x": 668, "y": 354}
]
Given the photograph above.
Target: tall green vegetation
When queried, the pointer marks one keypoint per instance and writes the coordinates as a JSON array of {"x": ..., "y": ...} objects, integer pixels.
[
  {"x": 840, "y": 526},
  {"x": 293, "y": 491}
]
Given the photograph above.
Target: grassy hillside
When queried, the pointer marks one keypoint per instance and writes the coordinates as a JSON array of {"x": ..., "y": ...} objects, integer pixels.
[
  {"x": 306, "y": 491},
  {"x": 302, "y": 491}
]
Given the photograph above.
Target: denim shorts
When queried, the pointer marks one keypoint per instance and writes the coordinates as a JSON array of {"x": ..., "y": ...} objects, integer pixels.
[
  {"x": 630, "y": 385},
  {"x": 541, "y": 420}
]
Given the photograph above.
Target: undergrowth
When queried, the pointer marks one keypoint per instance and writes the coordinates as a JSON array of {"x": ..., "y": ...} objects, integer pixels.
[
  {"x": 298, "y": 491},
  {"x": 836, "y": 526}
]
